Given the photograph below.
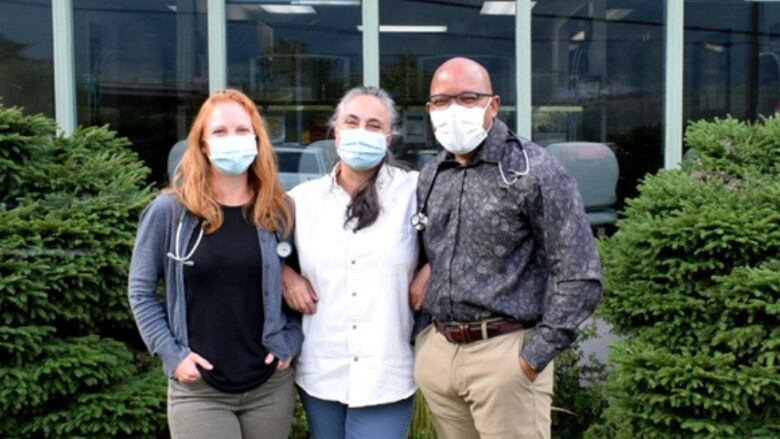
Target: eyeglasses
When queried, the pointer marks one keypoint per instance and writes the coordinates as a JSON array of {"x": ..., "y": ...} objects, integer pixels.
[{"x": 466, "y": 99}]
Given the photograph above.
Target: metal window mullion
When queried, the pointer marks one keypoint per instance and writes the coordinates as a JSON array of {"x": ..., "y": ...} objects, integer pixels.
[
  {"x": 673, "y": 99},
  {"x": 523, "y": 81},
  {"x": 64, "y": 65},
  {"x": 217, "y": 42},
  {"x": 370, "y": 18}
]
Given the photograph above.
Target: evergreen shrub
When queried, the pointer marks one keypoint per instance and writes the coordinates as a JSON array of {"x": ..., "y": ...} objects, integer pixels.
[
  {"x": 69, "y": 206},
  {"x": 579, "y": 396},
  {"x": 693, "y": 282}
]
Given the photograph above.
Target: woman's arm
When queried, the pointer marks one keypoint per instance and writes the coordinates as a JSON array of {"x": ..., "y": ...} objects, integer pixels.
[
  {"x": 298, "y": 292},
  {"x": 419, "y": 287},
  {"x": 146, "y": 269}
]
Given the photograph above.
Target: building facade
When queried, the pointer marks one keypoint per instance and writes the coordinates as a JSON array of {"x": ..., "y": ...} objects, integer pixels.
[{"x": 626, "y": 73}]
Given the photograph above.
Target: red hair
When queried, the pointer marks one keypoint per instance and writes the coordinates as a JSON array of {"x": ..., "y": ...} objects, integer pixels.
[{"x": 191, "y": 182}]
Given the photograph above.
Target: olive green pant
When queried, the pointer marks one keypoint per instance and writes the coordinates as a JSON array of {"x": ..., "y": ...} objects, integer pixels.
[
  {"x": 478, "y": 390},
  {"x": 197, "y": 410}
]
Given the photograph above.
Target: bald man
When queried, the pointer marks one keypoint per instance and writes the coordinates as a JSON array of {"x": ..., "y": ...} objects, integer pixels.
[{"x": 512, "y": 263}]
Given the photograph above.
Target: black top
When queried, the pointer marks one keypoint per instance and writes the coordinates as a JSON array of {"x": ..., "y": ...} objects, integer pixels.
[{"x": 225, "y": 304}]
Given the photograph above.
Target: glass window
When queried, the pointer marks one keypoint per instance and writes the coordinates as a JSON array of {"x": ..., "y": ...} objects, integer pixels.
[
  {"x": 27, "y": 69},
  {"x": 141, "y": 67},
  {"x": 732, "y": 64},
  {"x": 295, "y": 59},
  {"x": 598, "y": 76},
  {"x": 416, "y": 36}
]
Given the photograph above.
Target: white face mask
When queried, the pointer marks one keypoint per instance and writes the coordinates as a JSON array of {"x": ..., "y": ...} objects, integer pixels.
[
  {"x": 232, "y": 155},
  {"x": 459, "y": 129}
]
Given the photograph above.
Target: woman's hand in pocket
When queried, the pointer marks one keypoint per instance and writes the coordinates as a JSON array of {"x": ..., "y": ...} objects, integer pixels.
[
  {"x": 187, "y": 371},
  {"x": 282, "y": 364}
]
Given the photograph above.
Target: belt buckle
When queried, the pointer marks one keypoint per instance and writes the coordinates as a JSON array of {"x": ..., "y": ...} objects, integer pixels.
[
  {"x": 463, "y": 331},
  {"x": 460, "y": 332},
  {"x": 455, "y": 332}
]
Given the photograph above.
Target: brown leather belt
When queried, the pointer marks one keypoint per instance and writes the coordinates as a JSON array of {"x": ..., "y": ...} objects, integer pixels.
[{"x": 456, "y": 332}]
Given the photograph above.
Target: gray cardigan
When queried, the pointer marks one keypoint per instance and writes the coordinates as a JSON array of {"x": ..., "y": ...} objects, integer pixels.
[{"x": 164, "y": 328}]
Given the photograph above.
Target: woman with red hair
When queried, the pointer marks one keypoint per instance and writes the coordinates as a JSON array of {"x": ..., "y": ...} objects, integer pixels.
[{"x": 224, "y": 336}]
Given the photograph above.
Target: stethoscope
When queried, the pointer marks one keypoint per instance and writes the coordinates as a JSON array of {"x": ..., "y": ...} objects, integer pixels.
[
  {"x": 420, "y": 220},
  {"x": 283, "y": 247}
]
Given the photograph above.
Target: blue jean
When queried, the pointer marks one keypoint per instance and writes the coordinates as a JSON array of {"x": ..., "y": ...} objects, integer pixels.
[{"x": 334, "y": 420}]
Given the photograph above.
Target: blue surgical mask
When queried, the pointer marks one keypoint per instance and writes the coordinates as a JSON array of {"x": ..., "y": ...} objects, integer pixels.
[
  {"x": 232, "y": 155},
  {"x": 361, "y": 150}
]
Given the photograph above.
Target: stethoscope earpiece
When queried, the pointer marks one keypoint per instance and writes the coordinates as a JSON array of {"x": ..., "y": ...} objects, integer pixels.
[
  {"x": 176, "y": 256},
  {"x": 515, "y": 174}
]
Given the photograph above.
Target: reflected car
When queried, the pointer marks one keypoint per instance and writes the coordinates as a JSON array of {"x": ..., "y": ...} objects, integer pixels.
[
  {"x": 417, "y": 158},
  {"x": 297, "y": 165}
]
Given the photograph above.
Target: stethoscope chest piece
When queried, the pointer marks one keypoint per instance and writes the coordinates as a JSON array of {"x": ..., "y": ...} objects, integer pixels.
[
  {"x": 419, "y": 221},
  {"x": 283, "y": 249}
]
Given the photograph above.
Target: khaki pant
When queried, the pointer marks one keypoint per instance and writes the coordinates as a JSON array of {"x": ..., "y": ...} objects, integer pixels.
[
  {"x": 197, "y": 410},
  {"x": 478, "y": 390}
]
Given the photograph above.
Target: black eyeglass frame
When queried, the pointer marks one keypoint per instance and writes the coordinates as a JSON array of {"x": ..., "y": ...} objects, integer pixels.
[{"x": 477, "y": 96}]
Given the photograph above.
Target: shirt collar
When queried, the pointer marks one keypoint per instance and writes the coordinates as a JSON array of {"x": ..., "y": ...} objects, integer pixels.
[
  {"x": 492, "y": 149},
  {"x": 382, "y": 180}
]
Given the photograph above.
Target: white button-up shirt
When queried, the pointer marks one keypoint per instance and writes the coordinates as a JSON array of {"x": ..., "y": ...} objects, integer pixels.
[{"x": 357, "y": 346}]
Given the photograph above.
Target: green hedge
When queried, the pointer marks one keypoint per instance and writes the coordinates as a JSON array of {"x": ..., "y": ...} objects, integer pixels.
[
  {"x": 579, "y": 396},
  {"x": 68, "y": 211},
  {"x": 693, "y": 281}
]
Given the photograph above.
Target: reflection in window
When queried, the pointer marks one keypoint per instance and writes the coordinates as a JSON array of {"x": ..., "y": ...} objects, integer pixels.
[
  {"x": 295, "y": 61},
  {"x": 297, "y": 164},
  {"x": 141, "y": 67},
  {"x": 732, "y": 64},
  {"x": 598, "y": 76},
  {"x": 27, "y": 69},
  {"x": 417, "y": 36}
]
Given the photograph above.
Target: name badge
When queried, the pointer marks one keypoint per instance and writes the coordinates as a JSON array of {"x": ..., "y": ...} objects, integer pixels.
[{"x": 283, "y": 249}]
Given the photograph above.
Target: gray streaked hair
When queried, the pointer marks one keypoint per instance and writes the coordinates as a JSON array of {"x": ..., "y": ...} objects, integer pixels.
[
  {"x": 364, "y": 208},
  {"x": 368, "y": 90}
]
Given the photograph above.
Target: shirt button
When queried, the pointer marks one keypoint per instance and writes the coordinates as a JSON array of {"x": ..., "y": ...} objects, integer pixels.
[
  {"x": 354, "y": 294},
  {"x": 356, "y": 358},
  {"x": 354, "y": 326},
  {"x": 353, "y": 262}
]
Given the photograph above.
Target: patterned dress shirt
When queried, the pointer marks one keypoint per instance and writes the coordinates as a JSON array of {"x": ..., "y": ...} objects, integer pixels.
[{"x": 522, "y": 251}]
